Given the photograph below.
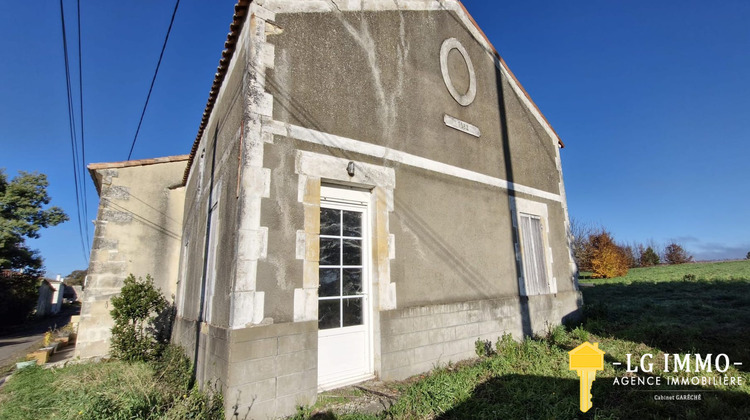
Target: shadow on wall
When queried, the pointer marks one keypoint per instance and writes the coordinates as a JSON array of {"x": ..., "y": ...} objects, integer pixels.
[{"x": 525, "y": 315}]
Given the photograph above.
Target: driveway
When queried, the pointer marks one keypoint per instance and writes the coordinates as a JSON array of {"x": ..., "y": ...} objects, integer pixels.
[{"x": 16, "y": 341}]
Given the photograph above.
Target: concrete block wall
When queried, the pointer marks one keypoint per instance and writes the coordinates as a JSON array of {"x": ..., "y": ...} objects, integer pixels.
[
  {"x": 417, "y": 339},
  {"x": 272, "y": 369},
  {"x": 213, "y": 351}
]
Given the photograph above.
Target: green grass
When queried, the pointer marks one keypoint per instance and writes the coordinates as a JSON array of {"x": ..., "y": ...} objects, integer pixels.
[
  {"x": 649, "y": 311},
  {"x": 729, "y": 270},
  {"x": 110, "y": 390}
]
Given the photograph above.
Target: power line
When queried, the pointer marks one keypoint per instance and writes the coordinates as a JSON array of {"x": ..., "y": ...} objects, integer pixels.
[
  {"x": 71, "y": 121},
  {"x": 83, "y": 141},
  {"x": 164, "y": 46}
]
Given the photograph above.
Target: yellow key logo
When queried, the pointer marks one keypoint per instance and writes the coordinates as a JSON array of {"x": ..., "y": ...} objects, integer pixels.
[{"x": 586, "y": 359}]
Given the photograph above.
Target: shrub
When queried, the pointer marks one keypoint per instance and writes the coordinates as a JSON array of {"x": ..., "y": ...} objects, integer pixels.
[
  {"x": 608, "y": 260},
  {"x": 676, "y": 254},
  {"x": 135, "y": 310},
  {"x": 649, "y": 257}
]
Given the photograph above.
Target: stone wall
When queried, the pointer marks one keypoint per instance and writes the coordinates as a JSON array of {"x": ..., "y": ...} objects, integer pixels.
[{"x": 137, "y": 231}]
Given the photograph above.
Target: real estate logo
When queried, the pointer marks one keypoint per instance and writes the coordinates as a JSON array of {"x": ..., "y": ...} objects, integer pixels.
[
  {"x": 702, "y": 370},
  {"x": 586, "y": 359}
]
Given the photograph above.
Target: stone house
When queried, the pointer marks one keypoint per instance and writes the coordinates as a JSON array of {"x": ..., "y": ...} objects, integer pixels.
[{"x": 371, "y": 190}]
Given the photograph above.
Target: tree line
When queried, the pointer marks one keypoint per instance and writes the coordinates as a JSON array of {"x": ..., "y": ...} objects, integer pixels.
[{"x": 596, "y": 251}]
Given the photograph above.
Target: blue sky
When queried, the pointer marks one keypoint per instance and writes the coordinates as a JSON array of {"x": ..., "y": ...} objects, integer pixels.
[{"x": 651, "y": 99}]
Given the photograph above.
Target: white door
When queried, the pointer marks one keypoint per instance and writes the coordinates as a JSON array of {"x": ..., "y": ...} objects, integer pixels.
[{"x": 344, "y": 330}]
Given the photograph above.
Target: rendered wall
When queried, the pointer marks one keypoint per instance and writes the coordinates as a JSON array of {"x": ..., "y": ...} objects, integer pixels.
[
  {"x": 137, "y": 231},
  {"x": 455, "y": 238}
]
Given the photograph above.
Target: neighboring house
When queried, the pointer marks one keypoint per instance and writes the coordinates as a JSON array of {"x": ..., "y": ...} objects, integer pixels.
[
  {"x": 44, "y": 301},
  {"x": 57, "y": 295},
  {"x": 138, "y": 230},
  {"x": 50, "y": 298},
  {"x": 371, "y": 190}
]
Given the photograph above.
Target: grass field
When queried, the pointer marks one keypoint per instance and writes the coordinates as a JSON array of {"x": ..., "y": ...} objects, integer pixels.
[
  {"x": 702, "y": 271},
  {"x": 650, "y": 310}
]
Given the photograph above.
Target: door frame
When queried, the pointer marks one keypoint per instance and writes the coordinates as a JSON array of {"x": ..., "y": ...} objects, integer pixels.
[{"x": 358, "y": 199}]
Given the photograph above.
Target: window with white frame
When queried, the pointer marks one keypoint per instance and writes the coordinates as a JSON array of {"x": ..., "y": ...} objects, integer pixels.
[{"x": 533, "y": 251}]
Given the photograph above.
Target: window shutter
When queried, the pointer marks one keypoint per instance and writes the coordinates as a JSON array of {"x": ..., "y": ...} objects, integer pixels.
[{"x": 534, "y": 265}]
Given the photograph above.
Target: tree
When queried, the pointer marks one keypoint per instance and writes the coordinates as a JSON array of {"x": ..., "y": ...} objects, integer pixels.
[
  {"x": 747, "y": 257},
  {"x": 76, "y": 277},
  {"x": 22, "y": 215},
  {"x": 630, "y": 255},
  {"x": 649, "y": 257},
  {"x": 676, "y": 254},
  {"x": 607, "y": 258},
  {"x": 581, "y": 232}
]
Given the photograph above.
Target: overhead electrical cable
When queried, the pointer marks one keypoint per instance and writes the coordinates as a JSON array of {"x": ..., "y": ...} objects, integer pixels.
[
  {"x": 71, "y": 120},
  {"x": 83, "y": 139},
  {"x": 164, "y": 46}
]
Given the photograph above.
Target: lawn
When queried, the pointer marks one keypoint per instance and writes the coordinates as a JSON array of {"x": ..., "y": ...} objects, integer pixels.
[{"x": 652, "y": 310}]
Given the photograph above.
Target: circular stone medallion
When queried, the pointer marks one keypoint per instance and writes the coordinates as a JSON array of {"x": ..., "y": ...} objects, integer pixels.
[{"x": 467, "y": 98}]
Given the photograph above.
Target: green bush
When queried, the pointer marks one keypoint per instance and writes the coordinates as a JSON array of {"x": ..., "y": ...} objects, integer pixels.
[{"x": 135, "y": 312}]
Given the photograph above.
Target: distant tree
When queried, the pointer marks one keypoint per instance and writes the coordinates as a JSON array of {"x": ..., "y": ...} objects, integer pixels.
[
  {"x": 676, "y": 254},
  {"x": 22, "y": 215},
  {"x": 580, "y": 244},
  {"x": 76, "y": 278},
  {"x": 608, "y": 260},
  {"x": 649, "y": 257},
  {"x": 747, "y": 257},
  {"x": 630, "y": 255}
]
